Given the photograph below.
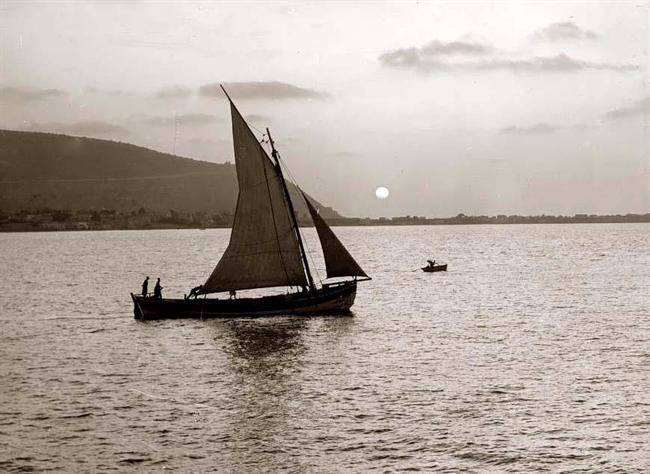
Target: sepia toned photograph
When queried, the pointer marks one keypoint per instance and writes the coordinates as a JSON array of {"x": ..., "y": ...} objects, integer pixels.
[{"x": 323, "y": 236}]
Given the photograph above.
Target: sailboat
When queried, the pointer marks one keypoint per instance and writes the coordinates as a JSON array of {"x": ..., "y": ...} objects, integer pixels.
[{"x": 266, "y": 250}]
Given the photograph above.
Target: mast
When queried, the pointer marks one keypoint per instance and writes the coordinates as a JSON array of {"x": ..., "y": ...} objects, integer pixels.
[{"x": 292, "y": 212}]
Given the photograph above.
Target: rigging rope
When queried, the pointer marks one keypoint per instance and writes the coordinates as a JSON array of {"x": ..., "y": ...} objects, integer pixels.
[{"x": 256, "y": 129}]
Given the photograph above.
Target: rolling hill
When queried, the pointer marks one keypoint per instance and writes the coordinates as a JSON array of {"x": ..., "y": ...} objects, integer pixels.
[{"x": 44, "y": 170}]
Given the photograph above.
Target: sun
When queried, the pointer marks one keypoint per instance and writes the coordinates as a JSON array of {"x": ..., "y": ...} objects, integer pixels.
[{"x": 382, "y": 192}]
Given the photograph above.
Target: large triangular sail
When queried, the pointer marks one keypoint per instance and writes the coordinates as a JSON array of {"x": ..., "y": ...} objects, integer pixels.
[
  {"x": 263, "y": 250},
  {"x": 338, "y": 261}
]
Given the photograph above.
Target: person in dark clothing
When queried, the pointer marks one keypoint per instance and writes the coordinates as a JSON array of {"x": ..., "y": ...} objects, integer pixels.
[
  {"x": 431, "y": 264},
  {"x": 157, "y": 290},
  {"x": 145, "y": 287}
]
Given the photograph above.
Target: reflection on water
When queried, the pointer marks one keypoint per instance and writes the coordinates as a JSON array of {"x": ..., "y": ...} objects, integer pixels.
[
  {"x": 264, "y": 344},
  {"x": 265, "y": 355},
  {"x": 524, "y": 357}
]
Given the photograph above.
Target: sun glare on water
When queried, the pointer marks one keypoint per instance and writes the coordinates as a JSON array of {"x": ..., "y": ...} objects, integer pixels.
[{"x": 381, "y": 192}]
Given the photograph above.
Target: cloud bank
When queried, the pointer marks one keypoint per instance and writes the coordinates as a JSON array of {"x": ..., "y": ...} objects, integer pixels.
[
  {"x": 420, "y": 60},
  {"x": 428, "y": 55},
  {"x": 537, "y": 129},
  {"x": 90, "y": 127},
  {"x": 473, "y": 56},
  {"x": 260, "y": 90},
  {"x": 174, "y": 92},
  {"x": 109, "y": 92},
  {"x": 563, "y": 31},
  {"x": 23, "y": 95},
  {"x": 257, "y": 118},
  {"x": 640, "y": 108},
  {"x": 460, "y": 48},
  {"x": 183, "y": 119}
]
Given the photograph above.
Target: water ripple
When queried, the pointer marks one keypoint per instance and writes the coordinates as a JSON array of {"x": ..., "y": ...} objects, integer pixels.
[{"x": 524, "y": 357}]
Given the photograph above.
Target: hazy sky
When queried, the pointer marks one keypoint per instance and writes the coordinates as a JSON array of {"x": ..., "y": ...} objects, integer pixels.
[{"x": 474, "y": 107}]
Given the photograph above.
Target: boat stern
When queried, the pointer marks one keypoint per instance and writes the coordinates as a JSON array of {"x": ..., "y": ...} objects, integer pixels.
[{"x": 137, "y": 312}]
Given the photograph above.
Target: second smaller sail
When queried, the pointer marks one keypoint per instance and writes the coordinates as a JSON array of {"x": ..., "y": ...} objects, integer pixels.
[{"x": 338, "y": 261}]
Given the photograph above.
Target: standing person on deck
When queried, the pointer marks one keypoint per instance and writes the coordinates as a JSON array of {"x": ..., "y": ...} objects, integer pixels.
[
  {"x": 157, "y": 290},
  {"x": 145, "y": 287}
]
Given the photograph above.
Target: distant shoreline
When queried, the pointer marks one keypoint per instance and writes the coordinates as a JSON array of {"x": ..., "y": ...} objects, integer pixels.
[
  {"x": 57, "y": 220},
  {"x": 462, "y": 219}
]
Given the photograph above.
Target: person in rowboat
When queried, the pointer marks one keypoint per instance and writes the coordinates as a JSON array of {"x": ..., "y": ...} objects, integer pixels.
[
  {"x": 431, "y": 264},
  {"x": 145, "y": 287}
]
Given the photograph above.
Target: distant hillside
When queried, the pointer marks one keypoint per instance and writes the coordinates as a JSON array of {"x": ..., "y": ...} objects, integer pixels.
[{"x": 39, "y": 170}]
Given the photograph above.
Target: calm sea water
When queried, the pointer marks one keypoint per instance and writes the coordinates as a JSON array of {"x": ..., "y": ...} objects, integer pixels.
[{"x": 530, "y": 354}]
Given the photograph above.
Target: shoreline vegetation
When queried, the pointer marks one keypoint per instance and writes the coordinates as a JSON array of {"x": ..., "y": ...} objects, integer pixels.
[{"x": 65, "y": 220}]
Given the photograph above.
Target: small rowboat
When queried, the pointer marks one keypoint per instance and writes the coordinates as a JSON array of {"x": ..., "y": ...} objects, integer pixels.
[{"x": 435, "y": 268}]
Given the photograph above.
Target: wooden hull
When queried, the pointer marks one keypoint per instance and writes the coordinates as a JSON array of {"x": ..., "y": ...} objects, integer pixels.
[
  {"x": 335, "y": 299},
  {"x": 437, "y": 268}
]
